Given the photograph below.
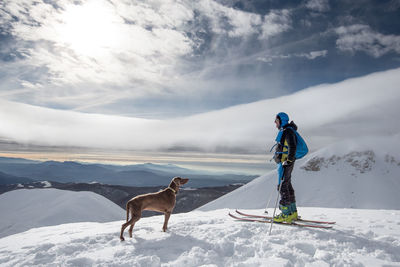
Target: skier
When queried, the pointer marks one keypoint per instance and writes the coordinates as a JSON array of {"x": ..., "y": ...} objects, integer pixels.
[{"x": 285, "y": 158}]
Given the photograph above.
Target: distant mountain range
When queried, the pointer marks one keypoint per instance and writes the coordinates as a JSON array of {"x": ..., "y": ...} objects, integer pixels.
[{"x": 14, "y": 170}]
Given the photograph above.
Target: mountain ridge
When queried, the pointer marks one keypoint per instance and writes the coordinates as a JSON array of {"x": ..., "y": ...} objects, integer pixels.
[{"x": 129, "y": 175}]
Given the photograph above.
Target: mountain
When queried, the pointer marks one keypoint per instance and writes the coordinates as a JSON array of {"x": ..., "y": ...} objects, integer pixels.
[
  {"x": 131, "y": 175},
  {"x": 355, "y": 173},
  {"x": 25, "y": 209},
  {"x": 11, "y": 179},
  {"x": 156, "y": 168},
  {"x": 16, "y": 160},
  {"x": 359, "y": 238},
  {"x": 67, "y": 171},
  {"x": 188, "y": 199}
]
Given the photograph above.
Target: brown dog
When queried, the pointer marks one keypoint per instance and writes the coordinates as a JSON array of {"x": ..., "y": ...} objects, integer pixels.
[{"x": 163, "y": 201}]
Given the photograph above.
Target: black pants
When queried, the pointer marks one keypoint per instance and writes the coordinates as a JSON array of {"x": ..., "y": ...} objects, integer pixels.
[{"x": 287, "y": 191}]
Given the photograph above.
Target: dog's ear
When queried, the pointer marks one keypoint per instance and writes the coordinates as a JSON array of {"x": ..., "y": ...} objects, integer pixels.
[{"x": 184, "y": 180}]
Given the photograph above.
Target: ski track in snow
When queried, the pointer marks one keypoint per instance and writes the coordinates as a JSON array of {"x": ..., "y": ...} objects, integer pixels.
[{"x": 360, "y": 238}]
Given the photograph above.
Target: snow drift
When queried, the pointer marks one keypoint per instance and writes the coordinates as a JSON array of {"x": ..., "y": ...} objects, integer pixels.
[
  {"x": 359, "y": 238},
  {"x": 25, "y": 209},
  {"x": 358, "y": 173}
]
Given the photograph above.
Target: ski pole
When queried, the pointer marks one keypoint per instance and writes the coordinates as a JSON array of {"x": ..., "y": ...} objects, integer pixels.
[
  {"x": 269, "y": 200},
  {"x": 276, "y": 204}
]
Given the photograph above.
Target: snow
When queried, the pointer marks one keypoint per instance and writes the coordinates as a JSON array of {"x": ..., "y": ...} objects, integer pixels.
[
  {"x": 24, "y": 209},
  {"x": 46, "y": 184},
  {"x": 362, "y": 173},
  {"x": 354, "y": 182},
  {"x": 360, "y": 238},
  {"x": 333, "y": 183}
]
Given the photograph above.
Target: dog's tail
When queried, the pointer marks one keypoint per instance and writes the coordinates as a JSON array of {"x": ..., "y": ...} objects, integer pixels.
[{"x": 127, "y": 211}]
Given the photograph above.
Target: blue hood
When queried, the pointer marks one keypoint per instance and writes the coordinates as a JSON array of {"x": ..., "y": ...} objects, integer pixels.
[{"x": 283, "y": 117}]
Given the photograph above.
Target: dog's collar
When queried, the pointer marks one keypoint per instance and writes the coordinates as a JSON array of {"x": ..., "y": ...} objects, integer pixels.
[{"x": 173, "y": 190}]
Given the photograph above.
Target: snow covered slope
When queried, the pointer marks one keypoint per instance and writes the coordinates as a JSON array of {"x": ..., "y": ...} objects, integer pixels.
[
  {"x": 360, "y": 238},
  {"x": 362, "y": 173},
  {"x": 25, "y": 209}
]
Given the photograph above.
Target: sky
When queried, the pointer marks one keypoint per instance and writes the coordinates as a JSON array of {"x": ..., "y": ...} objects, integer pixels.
[
  {"x": 165, "y": 59},
  {"x": 164, "y": 75}
]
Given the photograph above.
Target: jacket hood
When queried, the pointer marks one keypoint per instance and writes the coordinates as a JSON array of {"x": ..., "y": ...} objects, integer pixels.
[
  {"x": 292, "y": 125},
  {"x": 283, "y": 117}
]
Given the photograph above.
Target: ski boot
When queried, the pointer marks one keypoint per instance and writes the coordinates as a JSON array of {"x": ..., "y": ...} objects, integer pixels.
[
  {"x": 286, "y": 215},
  {"x": 293, "y": 210}
]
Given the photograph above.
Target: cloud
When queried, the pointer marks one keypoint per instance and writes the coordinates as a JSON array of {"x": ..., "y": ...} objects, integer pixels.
[
  {"x": 310, "y": 55},
  {"x": 97, "y": 46},
  {"x": 134, "y": 57},
  {"x": 237, "y": 23},
  {"x": 360, "y": 37},
  {"x": 91, "y": 42},
  {"x": 318, "y": 5},
  {"x": 276, "y": 22},
  {"x": 324, "y": 114},
  {"x": 129, "y": 49}
]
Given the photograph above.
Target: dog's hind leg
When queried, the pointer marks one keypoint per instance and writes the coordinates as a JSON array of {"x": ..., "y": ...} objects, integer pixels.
[
  {"x": 121, "y": 237},
  {"x": 135, "y": 218},
  {"x": 131, "y": 222}
]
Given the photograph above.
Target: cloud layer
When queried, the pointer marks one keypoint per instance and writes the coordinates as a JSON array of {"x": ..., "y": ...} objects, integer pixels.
[{"x": 357, "y": 107}]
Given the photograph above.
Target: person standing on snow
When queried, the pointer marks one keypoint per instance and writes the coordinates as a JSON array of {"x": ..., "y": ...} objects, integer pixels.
[{"x": 285, "y": 158}]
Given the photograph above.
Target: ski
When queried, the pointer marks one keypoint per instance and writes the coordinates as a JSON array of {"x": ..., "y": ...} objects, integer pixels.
[
  {"x": 245, "y": 219},
  {"x": 270, "y": 218}
]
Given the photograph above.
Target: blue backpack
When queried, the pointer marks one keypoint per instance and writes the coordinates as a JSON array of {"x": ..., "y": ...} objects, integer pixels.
[{"x": 301, "y": 146}]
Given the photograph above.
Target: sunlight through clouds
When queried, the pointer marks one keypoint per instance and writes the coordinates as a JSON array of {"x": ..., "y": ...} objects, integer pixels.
[
  {"x": 89, "y": 29},
  {"x": 91, "y": 42},
  {"x": 172, "y": 58},
  {"x": 129, "y": 49}
]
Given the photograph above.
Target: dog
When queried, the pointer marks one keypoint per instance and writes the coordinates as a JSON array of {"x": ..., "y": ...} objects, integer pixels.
[{"x": 162, "y": 201}]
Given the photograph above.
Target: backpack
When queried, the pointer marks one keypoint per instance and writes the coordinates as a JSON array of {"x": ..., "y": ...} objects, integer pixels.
[{"x": 301, "y": 146}]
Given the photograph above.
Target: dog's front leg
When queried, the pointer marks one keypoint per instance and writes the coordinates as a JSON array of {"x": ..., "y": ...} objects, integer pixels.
[
  {"x": 131, "y": 229},
  {"x": 167, "y": 215}
]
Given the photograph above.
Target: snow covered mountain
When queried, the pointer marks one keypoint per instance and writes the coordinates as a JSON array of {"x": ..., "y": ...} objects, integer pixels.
[
  {"x": 25, "y": 209},
  {"x": 361, "y": 173}
]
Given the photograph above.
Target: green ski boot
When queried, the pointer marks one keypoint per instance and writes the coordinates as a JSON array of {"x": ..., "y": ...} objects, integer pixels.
[
  {"x": 286, "y": 215},
  {"x": 293, "y": 210}
]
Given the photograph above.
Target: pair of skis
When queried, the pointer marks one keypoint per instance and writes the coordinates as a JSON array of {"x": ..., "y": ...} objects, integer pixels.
[{"x": 267, "y": 219}]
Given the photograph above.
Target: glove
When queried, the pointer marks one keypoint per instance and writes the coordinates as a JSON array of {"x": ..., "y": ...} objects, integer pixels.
[
  {"x": 277, "y": 158},
  {"x": 287, "y": 163}
]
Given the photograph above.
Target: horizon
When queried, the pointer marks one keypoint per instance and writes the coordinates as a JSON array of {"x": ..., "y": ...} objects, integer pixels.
[{"x": 203, "y": 162}]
